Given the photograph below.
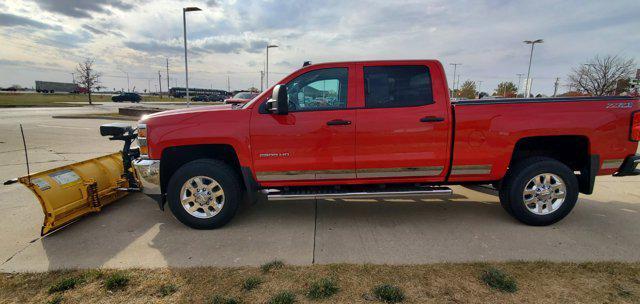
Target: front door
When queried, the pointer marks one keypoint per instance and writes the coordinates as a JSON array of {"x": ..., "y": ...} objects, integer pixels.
[
  {"x": 316, "y": 140},
  {"x": 402, "y": 131}
]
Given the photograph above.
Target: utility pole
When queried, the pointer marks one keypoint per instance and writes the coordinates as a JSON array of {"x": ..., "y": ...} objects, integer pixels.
[
  {"x": 555, "y": 86},
  {"x": 168, "y": 75},
  {"x": 127, "y": 73},
  {"x": 455, "y": 68},
  {"x": 149, "y": 85},
  {"x": 519, "y": 84},
  {"x": 479, "y": 87},
  {"x": 228, "y": 84},
  {"x": 261, "y": 81},
  {"x": 458, "y": 84},
  {"x": 128, "y": 86},
  {"x": 160, "y": 83}
]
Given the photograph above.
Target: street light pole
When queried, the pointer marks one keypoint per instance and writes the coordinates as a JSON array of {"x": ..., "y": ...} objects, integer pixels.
[
  {"x": 455, "y": 68},
  {"x": 184, "y": 31},
  {"x": 267, "y": 65},
  {"x": 528, "y": 80}
]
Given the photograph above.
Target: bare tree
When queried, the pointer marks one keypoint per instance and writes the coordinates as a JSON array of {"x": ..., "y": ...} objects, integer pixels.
[
  {"x": 600, "y": 75},
  {"x": 88, "y": 78}
]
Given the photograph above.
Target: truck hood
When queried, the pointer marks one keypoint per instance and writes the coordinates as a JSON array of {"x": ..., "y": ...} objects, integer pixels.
[{"x": 188, "y": 112}]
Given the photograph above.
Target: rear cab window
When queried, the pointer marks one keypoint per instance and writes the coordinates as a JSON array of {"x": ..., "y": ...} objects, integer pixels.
[{"x": 397, "y": 86}]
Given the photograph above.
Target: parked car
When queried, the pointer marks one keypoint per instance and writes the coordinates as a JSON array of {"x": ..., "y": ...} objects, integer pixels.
[
  {"x": 124, "y": 97},
  {"x": 241, "y": 98},
  {"x": 380, "y": 129}
]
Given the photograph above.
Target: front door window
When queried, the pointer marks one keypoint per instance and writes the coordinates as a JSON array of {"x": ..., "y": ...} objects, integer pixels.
[{"x": 324, "y": 89}]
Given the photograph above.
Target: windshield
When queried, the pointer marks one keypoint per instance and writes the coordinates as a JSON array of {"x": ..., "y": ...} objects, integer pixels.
[{"x": 243, "y": 95}]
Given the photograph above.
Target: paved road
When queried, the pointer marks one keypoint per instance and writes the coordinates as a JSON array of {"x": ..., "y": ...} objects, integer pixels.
[{"x": 470, "y": 226}]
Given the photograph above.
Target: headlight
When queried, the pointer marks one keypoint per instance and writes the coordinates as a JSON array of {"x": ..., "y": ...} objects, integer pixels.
[{"x": 142, "y": 140}]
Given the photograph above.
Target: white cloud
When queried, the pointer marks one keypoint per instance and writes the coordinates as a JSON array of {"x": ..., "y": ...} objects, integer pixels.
[{"x": 228, "y": 38}]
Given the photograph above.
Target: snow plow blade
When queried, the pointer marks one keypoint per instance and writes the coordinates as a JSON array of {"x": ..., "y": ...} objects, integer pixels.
[{"x": 69, "y": 192}]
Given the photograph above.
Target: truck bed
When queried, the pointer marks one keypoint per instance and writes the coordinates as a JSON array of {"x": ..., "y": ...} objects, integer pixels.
[{"x": 486, "y": 131}]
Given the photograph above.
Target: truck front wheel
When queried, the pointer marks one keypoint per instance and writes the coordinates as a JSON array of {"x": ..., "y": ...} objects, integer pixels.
[
  {"x": 204, "y": 194},
  {"x": 539, "y": 191}
]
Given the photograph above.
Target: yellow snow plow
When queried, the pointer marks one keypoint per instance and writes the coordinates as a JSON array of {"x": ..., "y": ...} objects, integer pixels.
[{"x": 69, "y": 192}]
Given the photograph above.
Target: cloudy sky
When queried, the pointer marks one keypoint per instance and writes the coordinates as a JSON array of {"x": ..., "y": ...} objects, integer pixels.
[{"x": 45, "y": 39}]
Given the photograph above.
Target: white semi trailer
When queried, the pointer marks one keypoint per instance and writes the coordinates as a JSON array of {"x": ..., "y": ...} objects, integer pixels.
[{"x": 56, "y": 87}]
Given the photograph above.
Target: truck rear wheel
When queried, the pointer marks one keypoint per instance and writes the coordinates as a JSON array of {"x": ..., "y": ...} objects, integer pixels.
[
  {"x": 539, "y": 191},
  {"x": 204, "y": 194}
]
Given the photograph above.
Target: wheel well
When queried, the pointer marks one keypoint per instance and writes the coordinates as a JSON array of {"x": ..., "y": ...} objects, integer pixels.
[
  {"x": 572, "y": 151},
  {"x": 174, "y": 157}
]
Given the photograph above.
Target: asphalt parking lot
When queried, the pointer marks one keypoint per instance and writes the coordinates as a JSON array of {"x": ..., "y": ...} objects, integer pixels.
[{"x": 469, "y": 226}]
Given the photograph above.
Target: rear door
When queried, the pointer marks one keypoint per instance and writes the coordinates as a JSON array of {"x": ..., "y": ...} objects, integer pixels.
[{"x": 403, "y": 129}]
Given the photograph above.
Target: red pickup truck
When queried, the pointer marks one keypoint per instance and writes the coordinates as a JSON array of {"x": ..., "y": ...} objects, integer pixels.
[{"x": 383, "y": 128}]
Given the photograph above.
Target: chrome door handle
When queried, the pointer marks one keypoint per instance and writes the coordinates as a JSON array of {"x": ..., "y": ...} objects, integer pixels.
[
  {"x": 338, "y": 122},
  {"x": 431, "y": 119}
]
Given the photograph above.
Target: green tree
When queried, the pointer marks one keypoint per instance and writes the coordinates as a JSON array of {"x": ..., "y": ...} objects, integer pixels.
[
  {"x": 506, "y": 89},
  {"x": 468, "y": 90}
]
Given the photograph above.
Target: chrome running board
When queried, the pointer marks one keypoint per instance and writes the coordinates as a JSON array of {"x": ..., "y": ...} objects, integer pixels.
[{"x": 308, "y": 193}]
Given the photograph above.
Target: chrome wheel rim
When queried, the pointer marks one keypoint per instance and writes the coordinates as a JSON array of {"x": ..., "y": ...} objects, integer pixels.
[
  {"x": 202, "y": 197},
  {"x": 544, "y": 194}
]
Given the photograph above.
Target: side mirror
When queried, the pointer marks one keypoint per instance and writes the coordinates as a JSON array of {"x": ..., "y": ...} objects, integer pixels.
[{"x": 279, "y": 101}]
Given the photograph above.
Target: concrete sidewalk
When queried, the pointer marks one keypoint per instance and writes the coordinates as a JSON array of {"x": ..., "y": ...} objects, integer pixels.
[{"x": 470, "y": 226}]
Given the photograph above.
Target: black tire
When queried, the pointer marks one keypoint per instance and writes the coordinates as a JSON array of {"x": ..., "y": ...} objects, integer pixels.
[
  {"x": 223, "y": 174},
  {"x": 504, "y": 201},
  {"x": 515, "y": 181}
]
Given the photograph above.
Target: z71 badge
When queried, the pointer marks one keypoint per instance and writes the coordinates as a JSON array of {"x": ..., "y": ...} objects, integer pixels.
[{"x": 619, "y": 105}]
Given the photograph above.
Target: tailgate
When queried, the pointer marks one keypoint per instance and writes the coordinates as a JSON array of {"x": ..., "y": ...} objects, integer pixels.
[{"x": 67, "y": 193}]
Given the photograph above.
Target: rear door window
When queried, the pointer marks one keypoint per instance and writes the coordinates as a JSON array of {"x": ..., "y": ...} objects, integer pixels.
[{"x": 397, "y": 86}]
